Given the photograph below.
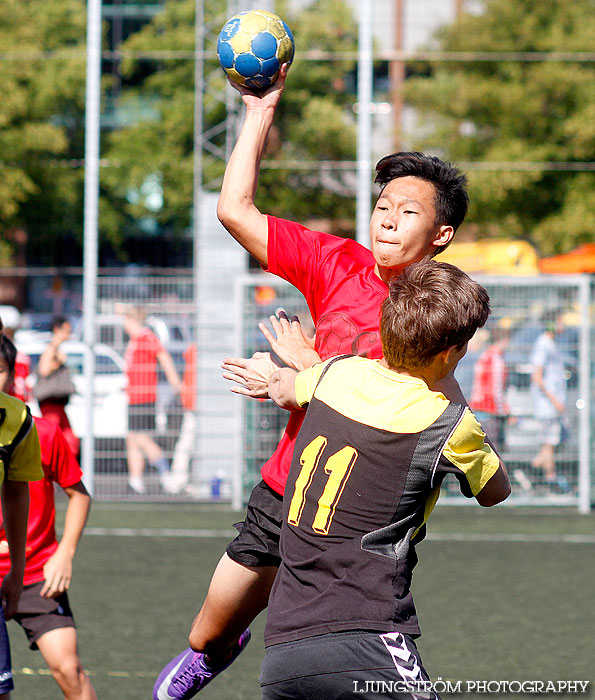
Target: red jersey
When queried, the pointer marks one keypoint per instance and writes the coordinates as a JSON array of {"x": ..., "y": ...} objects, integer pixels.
[
  {"x": 141, "y": 367},
  {"x": 60, "y": 467},
  {"x": 22, "y": 368},
  {"x": 489, "y": 382},
  {"x": 343, "y": 292},
  {"x": 188, "y": 394}
]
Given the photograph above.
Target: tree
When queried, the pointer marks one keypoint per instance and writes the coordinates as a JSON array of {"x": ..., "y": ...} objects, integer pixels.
[
  {"x": 41, "y": 123},
  {"x": 157, "y": 152},
  {"x": 518, "y": 112}
]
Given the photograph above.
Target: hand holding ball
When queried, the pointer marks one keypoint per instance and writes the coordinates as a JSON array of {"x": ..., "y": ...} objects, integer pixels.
[{"x": 253, "y": 46}]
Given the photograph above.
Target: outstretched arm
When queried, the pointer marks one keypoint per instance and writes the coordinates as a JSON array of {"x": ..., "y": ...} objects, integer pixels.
[
  {"x": 290, "y": 344},
  {"x": 282, "y": 388},
  {"x": 236, "y": 209},
  {"x": 289, "y": 341},
  {"x": 251, "y": 374}
]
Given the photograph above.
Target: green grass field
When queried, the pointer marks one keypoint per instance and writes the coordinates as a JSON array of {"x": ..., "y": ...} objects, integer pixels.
[{"x": 501, "y": 593}]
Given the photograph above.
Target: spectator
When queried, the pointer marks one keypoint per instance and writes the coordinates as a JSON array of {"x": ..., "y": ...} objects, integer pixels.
[
  {"x": 43, "y": 610},
  {"x": 143, "y": 353},
  {"x": 12, "y": 321},
  {"x": 52, "y": 363},
  {"x": 490, "y": 377},
  {"x": 548, "y": 387}
]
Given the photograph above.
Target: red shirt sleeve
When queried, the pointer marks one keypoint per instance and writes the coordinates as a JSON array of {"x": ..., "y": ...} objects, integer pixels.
[
  {"x": 59, "y": 463},
  {"x": 312, "y": 261}
]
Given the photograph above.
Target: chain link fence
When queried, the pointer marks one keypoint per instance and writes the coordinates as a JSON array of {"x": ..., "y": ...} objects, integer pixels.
[{"x": 522, "y": 308}]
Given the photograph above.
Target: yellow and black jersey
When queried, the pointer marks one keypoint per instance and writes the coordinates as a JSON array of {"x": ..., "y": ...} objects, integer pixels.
[
  {"x": 20, "y": 457},
  {"x": 366, "y": 472}
]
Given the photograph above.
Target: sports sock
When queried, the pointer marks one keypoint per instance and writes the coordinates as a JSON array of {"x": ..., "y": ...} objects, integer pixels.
[
  {"x": 137, "y": 484},
  {"x": 161, "y": 465}
]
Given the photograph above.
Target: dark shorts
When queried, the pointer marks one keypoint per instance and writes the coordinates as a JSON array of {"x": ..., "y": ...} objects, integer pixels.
[
  {"x": 363, "y": 665},
  {"x": 37, "y": 615},
  {"x": 141, "y": 418},
  {"x": 6, "y": 682},
  {"x": 258, "y": 541}
]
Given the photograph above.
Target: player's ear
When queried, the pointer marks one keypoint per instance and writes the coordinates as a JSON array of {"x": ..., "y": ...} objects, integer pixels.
[
  {"x": 443, "y": 236},
  {"x": 449, "y": 354}
]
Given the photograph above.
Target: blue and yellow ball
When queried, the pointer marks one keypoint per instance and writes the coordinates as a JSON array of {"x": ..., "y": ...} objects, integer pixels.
[{"x": 252, "y": 47}]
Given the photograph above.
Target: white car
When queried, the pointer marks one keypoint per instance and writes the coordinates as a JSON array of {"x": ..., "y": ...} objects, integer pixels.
[{"x": 110, "y": 402}]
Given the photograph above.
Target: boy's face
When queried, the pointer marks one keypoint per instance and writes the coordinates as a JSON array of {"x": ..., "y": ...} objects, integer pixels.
[
  {"x": 402, "y": 226},
  {"x": 6, "y": 376}
]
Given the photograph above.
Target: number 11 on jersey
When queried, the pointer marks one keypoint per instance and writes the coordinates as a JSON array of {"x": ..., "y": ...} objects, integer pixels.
[{"x": 338, "y": 469}]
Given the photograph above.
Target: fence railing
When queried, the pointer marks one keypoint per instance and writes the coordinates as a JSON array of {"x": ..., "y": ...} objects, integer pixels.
[
  {"x": 521, "y": 310},
  {"x": 214, "y": 447}
]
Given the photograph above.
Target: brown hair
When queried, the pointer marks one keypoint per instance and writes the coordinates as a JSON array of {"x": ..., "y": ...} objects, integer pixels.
[
  {"x": 137, "y": 313},
  {"x": 431, "y": 306}
]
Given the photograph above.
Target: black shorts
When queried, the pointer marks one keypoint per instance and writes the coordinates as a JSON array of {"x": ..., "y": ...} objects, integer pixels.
[
  {"x": 258, "y": 541},
  {"x": 362, "y": 665},
  {"x": 37, "y": 615},
  {"x": 141, "y": 418}
]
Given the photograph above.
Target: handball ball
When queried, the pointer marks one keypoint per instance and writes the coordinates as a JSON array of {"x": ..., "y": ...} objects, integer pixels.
[{"x": 252, "y": 46}]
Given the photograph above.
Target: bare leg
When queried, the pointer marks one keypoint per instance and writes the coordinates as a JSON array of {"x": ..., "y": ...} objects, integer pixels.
[
  {"x": 149, "y": 447},
  {"x": 59, "y": 649},
  {"x": 545, "y": 460},
  {"x": 236, "y": 595},
  {"x": 136, "y": 459}
]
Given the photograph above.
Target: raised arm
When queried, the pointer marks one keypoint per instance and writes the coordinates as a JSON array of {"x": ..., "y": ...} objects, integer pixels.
[{"x": 236, "y": 209}]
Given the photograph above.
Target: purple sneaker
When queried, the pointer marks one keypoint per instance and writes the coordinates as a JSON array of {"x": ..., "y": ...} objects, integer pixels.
[{"x": 185, "y": 675}]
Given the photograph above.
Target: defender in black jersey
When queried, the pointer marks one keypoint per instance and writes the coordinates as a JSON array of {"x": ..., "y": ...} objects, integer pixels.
[{"x": 374, "y": 447}]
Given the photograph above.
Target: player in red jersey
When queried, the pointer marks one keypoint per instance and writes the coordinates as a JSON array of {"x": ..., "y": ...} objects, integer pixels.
[
  {"x": 421, "y": 204},
  {"x": 43, "y": 610},
  {"x": 143, "y": 352}
]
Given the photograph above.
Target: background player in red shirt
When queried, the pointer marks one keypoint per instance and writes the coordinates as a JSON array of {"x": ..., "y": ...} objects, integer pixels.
[
  {"x": 177, "y": 480},
  {"x": 143, "y": 352},
  {"x": 43, "y": 610},
  {"x": 421, "y": 204},
  {"x": 490, "y": 378}
]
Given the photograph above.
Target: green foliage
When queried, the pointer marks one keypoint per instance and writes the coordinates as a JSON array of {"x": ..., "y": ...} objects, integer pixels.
[
  {"x": 312, "y": 123},
  {"x": 518, "y": 112},
  {"x": 41, "y": 118}
]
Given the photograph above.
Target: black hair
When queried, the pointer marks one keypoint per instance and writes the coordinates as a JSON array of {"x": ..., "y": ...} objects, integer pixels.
[
  {"x": 8, "y": 352},
  {"x": 451, "y": 200},
  {"x": 59, "y": 321}
]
